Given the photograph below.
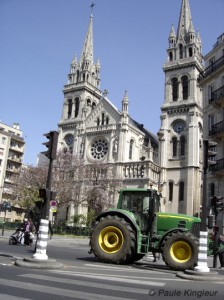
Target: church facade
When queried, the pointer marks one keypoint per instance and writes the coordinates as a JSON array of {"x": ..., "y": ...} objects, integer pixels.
[{"x": 97, "y": 131}]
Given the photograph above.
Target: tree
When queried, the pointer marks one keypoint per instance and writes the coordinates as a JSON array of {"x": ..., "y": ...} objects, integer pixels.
[
  {"x": 26, "y": 185},
  {"x": 99, "y": 186}
]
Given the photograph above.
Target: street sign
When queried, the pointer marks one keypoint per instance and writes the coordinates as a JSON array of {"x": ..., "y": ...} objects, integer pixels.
[{"x": 53, "y": 203}]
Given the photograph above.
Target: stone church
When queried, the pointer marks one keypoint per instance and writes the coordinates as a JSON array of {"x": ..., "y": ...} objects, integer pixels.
[{"x": 97, "y": 131}]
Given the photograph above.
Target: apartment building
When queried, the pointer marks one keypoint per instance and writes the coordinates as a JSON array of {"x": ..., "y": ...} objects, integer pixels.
[
  {"x": 11, "y": 158},
  {"x": 212, "y": 84}
]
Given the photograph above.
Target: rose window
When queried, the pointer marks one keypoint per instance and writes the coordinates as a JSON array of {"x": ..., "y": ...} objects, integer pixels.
[{"x": 99, "y": 148}]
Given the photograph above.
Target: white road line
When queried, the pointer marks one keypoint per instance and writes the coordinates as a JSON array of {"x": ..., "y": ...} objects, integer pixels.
[
  {"x": 10, "y": 297},
  {"x": 56, "y": 291},
  {"x": 90, "y": 284},
  {"x": 72, "y": 273},
  {"x": 111, "y": 278}
]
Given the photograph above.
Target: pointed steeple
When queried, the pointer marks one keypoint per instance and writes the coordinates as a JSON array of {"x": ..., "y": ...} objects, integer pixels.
[
  {"x": 87, "y": 50},
  {"x": 184, "y": 20},
  {"x": 74, "y": 60},
  {"x": 172, "y": 37},
  {"x": 125, "y": 102}
]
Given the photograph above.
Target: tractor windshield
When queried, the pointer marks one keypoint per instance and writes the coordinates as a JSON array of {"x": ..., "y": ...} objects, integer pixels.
[
  {"x": 135, "y": 201},
  {"x": 142, "y": 203}
]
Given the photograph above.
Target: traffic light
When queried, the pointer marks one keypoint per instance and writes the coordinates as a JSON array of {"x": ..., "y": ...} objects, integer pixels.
[
  {"x": 209, "y": 153},
  {"x": 217, "y": 204},
  {"x": 51, "y": 152}
]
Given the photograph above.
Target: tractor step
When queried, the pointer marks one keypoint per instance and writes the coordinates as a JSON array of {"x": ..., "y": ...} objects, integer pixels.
[{"x": 143, "y": 245}]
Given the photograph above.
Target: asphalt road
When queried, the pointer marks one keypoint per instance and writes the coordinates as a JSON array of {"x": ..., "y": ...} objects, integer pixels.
[{"x": 83, "y": 277}]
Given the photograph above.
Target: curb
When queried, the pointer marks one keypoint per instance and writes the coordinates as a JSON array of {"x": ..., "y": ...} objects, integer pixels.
[
  {"x": 32, "y": 263},
  {"x": 200, "y": 276}
]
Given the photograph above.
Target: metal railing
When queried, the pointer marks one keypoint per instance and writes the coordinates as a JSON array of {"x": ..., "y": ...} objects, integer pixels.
[
  {"x": 217, "y": 128},
  {"x": 217, "y": 94},
  {"x": 219, "y": 166},
  {"x": 212, "y": 67}
]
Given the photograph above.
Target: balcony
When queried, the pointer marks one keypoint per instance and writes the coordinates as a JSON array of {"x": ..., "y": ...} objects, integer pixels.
[
  {"x": 218, "y": 167},
  {"x": 212, "y": 68},
  {"x": 217, "y": 96},
  {"x": 217, "y": 129},
  {"x": 141, "y": 170}
]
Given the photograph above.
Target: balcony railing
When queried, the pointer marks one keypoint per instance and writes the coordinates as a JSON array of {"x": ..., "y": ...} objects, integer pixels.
[
  {"x": 216, "y": 95},
  {"x": 141, "y": 170},
  {"x": 213, "y": 67},
  {"x": 219, "y": 166},
  {"x": 217, "y": 128}
]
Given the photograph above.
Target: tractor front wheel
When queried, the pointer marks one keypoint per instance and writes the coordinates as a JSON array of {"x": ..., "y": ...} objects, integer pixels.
[
  {"x": 180, "y": 250},
  {"x": 113, "y": 240}
]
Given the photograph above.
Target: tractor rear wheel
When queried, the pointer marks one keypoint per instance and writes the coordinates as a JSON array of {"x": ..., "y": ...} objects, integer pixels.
[
  {"x": 180, "y": 250},
  {"x": 113, "y": 240}
]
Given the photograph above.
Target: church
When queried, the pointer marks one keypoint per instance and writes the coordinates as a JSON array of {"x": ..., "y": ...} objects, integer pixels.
[{"x": 98, "y": 132}]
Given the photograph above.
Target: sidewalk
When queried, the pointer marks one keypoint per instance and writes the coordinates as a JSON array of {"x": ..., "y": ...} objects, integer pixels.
[{"x": 55, "y": 237}]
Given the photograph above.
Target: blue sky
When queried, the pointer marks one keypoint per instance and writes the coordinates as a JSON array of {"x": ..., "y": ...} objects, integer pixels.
[{"x": 39, "y": 38}]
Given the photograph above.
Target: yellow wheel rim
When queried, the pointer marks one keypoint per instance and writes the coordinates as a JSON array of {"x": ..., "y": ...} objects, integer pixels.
[
  {"x": 181, "y": 251},
  {"x": 111, "y": 239}
]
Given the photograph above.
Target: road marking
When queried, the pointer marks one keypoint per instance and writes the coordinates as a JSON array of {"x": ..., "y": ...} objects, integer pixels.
[
  {"x": 73, "y": 273},
  {"x": 111, "y": 278},
  {"x": 9, "y": 297},
  {"x": 90, "y": 284},
  {"x": 57, "y": 291}
]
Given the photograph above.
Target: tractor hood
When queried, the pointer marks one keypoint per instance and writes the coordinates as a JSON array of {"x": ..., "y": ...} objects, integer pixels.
[{"x": 168, "y": 221}]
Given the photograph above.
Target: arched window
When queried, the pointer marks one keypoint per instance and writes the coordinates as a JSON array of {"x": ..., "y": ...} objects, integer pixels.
[
  {"x": 190, "y": 52},
  {"x": 171, "y": 56},
  {"x": 181, "y": 191},
  {"x": 69, "y": 108},
  {"x": 170, "y": 191},
  {"x": 180, "y": 51},
  {"x": 131, "y": 149},
  {"x": 182, "y": 145},
  {"x": 103, "y": 118},
  {"x": 107, "y": 120},
  {"x": 76, "y": 107},
  {"x": 93, "y": 105},
  {"x": 77, "y": 76},
  {"x": 185, "y": 88},
  {"x": 98, "y": 121},
  {"x": 175, "y": 89},
  {"x": 88, "y": 102},
  {"x": 174, "y": 140}
]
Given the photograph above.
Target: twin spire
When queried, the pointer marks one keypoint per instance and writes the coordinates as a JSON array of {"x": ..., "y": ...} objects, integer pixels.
[{"x": 186, "y": 35}]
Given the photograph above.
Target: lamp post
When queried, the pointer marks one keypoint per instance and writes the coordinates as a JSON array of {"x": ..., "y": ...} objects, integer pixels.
[{"x": 5, "y": 205}]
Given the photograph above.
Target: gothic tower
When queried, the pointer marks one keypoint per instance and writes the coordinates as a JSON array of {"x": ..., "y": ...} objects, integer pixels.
[
  {"x": 180, "y": 134},
  {"x": 81, "y": 94}
]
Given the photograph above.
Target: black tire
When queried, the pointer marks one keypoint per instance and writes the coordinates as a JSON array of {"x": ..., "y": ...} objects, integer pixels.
[
  {"x": 180, "y": 251},
  {"x": 113, "y": 240},
  {"x": 12, "y": 241}
]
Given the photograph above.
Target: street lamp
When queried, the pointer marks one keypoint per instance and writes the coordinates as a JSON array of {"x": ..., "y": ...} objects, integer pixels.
[{"x": 6, "y": 205}]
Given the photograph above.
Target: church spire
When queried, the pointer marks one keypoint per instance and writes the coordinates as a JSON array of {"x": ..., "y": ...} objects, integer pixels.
[
  {"x": 184, "y": 20},
  {"x": 87, "y": 50}
]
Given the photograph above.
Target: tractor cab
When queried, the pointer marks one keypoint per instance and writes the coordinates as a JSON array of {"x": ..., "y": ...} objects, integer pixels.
[{"x": 142, "y": 203}]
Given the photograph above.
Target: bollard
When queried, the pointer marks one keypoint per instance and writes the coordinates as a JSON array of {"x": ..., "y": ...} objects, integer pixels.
[
  {"x": 41, "y": 246},
  {"x": 202, "y": 253}
]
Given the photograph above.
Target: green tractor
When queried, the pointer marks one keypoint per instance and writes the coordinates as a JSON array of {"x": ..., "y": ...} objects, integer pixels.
[{"x": 136, "y": 227}]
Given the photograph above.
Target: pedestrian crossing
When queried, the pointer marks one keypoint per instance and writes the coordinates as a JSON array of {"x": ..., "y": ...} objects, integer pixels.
[{"x": 89, "y": 281}]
